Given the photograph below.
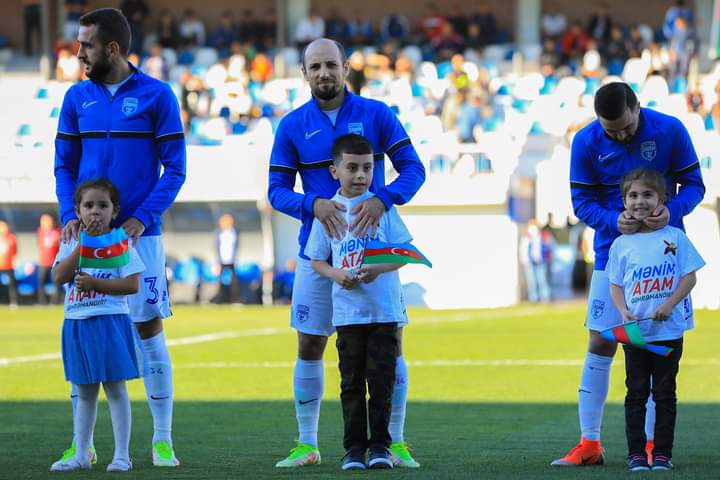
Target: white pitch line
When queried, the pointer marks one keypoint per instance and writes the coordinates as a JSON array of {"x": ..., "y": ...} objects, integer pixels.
[{"x": 210, "y": 337}]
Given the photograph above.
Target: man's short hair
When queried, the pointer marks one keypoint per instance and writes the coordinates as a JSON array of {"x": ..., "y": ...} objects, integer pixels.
[
  {"x": 112, "y": 26},
  {"x": 613, "y": 99},
  {"x": 352, "y": 144},
  {"x": 341, "y": 49}
]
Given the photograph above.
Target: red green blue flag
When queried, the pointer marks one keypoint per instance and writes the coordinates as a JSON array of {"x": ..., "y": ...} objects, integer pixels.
[
  {"x": 630, "y": 334},
  {"x": 104, "y": 251},
  {"x": 382, "y": 252}
]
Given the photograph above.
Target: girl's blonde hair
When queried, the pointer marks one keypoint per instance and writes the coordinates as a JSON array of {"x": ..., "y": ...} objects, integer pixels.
[{"x": 648, "y": 176}]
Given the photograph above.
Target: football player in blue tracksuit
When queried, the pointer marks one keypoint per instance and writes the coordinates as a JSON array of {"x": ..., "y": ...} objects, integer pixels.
[
  {"x": 303, "y": 144},
  {"x": 623, "y": 138},
  {"x": 125, "y": 126}
]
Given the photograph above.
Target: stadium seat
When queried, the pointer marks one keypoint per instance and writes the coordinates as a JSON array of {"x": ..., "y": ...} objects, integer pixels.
[{"x": 205, "y": 57}]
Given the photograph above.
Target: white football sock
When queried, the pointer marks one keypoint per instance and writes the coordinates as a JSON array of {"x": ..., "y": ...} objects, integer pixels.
[
  {"x": 159, "y": 386},
  {"x": 593, "y": 393},
  {"x": 119, "y": 404},
  {"x": 84, "y": 421},
  {"x": 308, "y": 386},
  {"x": 399, "y": 400}
]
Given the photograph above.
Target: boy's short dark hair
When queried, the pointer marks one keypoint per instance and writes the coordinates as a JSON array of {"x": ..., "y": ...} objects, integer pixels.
[
  {"x": 652, "y": 178},
  {"x": 612, "y": 99},
  {"x": 99, "y": 184},
  {"x": 350, "y": 143},
  {"x": 112, "y": 26}
]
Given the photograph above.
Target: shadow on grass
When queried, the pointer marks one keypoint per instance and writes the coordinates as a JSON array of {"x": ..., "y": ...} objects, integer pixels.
[{"x": 238, "y": 439}]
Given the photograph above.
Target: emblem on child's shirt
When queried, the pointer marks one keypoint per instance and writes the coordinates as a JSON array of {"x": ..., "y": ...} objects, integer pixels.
[
  {"x": 356, "y": 128},
  {"x": 129, "y": 105},
  {"x": 648, "y": 150},
  {"x": 598, "y": 306},
  {"x": 670, "y": 247}
]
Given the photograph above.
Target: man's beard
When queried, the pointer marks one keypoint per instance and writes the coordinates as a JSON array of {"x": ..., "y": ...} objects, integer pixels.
[
  {"x": 99, "y": 70},
  {"x": 326, "y": 94}
]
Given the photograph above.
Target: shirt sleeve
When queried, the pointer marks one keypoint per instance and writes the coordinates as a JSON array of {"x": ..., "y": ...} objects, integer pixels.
[
  {"x": 170, "y": 148},
  {"x": 281, "y": 177},
  {"x": 135, "y": 265},
  {"x": 397, "y": 232},
  {"x": 68, "y": 150},
  {"x": 689, "y": 258},
  {"x": 685, "y": 171},
  {"x": 404, "y": 159},
  {"x": 615, "y": 267},
  {"x": 585, "y": 189},
  {"x": 318, "y": 244}
]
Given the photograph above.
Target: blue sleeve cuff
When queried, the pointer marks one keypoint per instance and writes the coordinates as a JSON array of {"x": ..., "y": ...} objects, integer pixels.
[
  {"x": 384, "y": 197},
  {"x": 308, "y": 204},
  {"x": 144, "y": 218},
  {"x": 67, "y": 217}
]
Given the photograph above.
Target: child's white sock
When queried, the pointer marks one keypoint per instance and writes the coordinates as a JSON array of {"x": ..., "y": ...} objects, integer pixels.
[
  {"x": 399, "y": 400},
  {"x": 119, "y": 403},
  {"x": 159, "y": 386},
  {"x": 308, "y": 386},
  {"x": 84, "y": 421},
  {"x": 593, "y": 393}
]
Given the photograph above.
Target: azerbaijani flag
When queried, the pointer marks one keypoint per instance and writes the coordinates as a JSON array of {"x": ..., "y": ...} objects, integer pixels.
[
  {"x": 104, "y": 251},
  {"x": 381, "y": 252},
  {"x": 629, "y": 334}
]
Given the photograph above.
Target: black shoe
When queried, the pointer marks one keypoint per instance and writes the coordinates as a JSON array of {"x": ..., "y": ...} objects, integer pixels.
[
  {"x": 661, "y": 462},
  {"x": 354, "y": 459},
  {"x": 638, "y": 463},
  {"x": 380, "y": 458}
]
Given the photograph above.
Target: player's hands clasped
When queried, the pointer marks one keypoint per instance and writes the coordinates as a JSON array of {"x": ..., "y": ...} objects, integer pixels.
[
  {"x": 133, "y": 229},
  {"x": 663, "y": 312},
  {"x": 84, "y": 282},
  {"x": 368, "y": 215},
  {"x": 328, "y": 213}
]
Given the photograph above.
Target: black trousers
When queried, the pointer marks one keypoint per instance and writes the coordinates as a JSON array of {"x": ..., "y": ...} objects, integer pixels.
[
  {"x": 44, "y": 276},
  {"x": 640, "y": 367},
  {"x": 228, "y": 292},
  {"x": 12, "y": 286},
  {"x": 367, "y": 354}
]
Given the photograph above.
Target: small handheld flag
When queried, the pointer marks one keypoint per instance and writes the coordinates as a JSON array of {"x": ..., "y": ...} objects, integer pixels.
[
  {"x": 630, "y": 334},
  {"x": 382, "y": 252},
  {"x": 105, "y": 251}
]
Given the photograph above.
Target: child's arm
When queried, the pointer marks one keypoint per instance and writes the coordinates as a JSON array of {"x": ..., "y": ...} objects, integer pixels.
[
  {"x": 342, "y": 277},
  {"x": 110, "y": 286},
  {"x": 64, "y": 271},
  {"x": 686, "y": 285},
  {"x": 618, "y": 297},
  {"x": 368, "y": 273}
]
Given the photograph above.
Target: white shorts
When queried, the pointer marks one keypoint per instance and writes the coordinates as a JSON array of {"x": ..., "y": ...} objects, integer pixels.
[
  {"x": 601, "y": 313},
  {"x": 311, "y": 310},
  {"x": 152, "y": 299}
]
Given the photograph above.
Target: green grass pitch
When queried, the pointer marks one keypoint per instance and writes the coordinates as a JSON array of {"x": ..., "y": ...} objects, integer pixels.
[{"x": 492, "y": 396}]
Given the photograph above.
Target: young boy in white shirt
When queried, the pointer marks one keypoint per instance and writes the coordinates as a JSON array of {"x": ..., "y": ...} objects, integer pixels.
[{"x": 367, "y": 308}]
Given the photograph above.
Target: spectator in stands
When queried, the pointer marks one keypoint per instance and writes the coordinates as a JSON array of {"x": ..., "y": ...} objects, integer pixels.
[
  {"x": 553, "y": 23},
  {"x": 167, "y": 30},
  {"x": 261, "y": 68},
  {"x": 226, "y": 243},
  {"x": 226, "y": 33},
  {"x": 68, "y": 66},
  {"x": 431, "y": 24},
  {"x": 74, "y": 9},
  {"x": 469, "y": 115},
  {"x": 268, "y": 30},
  {"x": 600, "y": 24},
  {"x": 715, "y": 108},
  {"x": 681, "y": 49},
  {"x": 458, "y": 20},
  {"x": 532, "y": 258},
  {"x": 573, "y": 44},
  {"x": 635, "y": 42},
  {"x": 48, "y": 239},
  {"x": 336, "y": 27},
  {"x": 679, "y": 10},
  {"x": 309, "y": 28},
  {"x": 8, "y": 253},
  {"x": 484, "y": 19},
  {"x": 447, "y": 44},
  {"x": 394, "y": 27},
  {"x": 192, "y": 30},
  {"x": 356, "y": 79},
  {"x": 136, "y": 11},
  {"x": 360, "y": 31},
  {"x": 31, "y": 19},
  {"x": 249, "y": 28},
  {"x": 615, "y": 50},
  {"x": 154, "y": 64},
  {"x": 550, "y": 53}
]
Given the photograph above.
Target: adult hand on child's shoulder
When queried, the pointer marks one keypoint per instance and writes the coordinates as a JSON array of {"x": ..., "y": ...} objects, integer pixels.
[
  {"x": 327, "y": 212},
  {"x": 659, "y": 218},
  {"x": 133, "y": 229},
  {"x": 368, "y": 215},
  {"x": 626, "y": 224},
  {"x": 70, "y": 230}
]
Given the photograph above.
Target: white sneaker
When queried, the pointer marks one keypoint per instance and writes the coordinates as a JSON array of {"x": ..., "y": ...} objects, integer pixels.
[
  {"x": 70, "y": 465},
  {"x": 120, "y": 465}
]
